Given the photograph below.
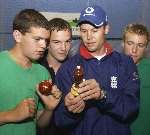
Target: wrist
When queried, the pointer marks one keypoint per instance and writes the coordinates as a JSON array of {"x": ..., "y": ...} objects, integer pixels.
[
  {"x": 48, "y": 109},
  {"x": 103, "y": 95}
]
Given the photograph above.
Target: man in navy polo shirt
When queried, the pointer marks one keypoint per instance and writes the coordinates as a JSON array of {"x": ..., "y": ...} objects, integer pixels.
[{"x": 107, "y": 99}]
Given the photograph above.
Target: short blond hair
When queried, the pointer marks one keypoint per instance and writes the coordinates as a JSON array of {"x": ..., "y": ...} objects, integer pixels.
[{"x": 138, "y": 29}]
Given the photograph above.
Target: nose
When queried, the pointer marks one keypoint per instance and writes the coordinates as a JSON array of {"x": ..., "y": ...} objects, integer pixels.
[
  {"x": 134, "y": 48},
  {"x": 89, "y": 35},
  {"x": 43, "y": 43},
  {"x": 63, "y": 45}
]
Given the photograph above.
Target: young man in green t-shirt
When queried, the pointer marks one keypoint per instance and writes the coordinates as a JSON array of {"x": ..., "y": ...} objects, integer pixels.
[
  {"x": 20, "y": 108},
  {"x": 135, "y": 44}
]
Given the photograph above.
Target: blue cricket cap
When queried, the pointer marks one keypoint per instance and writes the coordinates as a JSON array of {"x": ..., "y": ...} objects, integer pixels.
[{"x": 94, "y": 15}]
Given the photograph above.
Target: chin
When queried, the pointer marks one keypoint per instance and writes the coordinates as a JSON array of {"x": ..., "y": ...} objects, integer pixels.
[
  {"x": 61, "y": 59},
  {"x": 91, "y": 50},
  {"x": 135, "y": 60},
  {"x": 36, "y": 58}
]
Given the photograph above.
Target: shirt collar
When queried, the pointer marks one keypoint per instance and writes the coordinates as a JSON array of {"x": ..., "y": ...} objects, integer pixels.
[{"x": 87, "y": 55}]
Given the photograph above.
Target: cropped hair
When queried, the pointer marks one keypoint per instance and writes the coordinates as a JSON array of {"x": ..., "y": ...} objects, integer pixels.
[
  {"x": 138, "y": 29},
  {"x": 28, "y": 18},
  {"x": 59, "y": 24}
]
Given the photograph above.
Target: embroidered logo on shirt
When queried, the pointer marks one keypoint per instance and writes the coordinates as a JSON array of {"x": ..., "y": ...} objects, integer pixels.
[{"x": 114, "y": 82}]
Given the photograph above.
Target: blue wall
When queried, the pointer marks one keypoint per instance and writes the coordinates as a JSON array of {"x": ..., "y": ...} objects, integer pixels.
[{"x": 120, "y": 13}]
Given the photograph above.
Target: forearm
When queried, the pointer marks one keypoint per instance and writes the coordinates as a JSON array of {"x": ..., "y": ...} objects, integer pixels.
[
  {"x": 6, "y": 117},
  {"x": 44, "y": 117}
]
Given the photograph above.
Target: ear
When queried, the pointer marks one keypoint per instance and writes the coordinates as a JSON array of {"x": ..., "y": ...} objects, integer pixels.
[
  {"x": 17, "y": 35},
  {"x": 107, "y": 28},
  {"x": 122, "y": 44}
]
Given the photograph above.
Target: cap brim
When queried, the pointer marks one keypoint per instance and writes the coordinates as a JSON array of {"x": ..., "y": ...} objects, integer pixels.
[{"x": 89, "y": 22}]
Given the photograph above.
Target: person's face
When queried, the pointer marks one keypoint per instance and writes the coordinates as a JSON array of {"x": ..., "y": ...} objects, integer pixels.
[
  {"x": 32, "y": 44},
  {"x": 60, "y": 43},
  {"x": 93, "y": 38},
  {"x": 135, "y": 46}
]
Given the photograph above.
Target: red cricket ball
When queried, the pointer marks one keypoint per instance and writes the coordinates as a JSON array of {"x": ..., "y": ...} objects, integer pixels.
[{"x": 45, "y": 87}]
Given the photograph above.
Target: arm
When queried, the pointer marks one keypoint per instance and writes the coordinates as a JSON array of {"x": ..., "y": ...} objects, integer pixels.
[
  {"x": 122, "y": 103},
  {"x": 70, "y": 111},
  {"x": 74, "y": 104},
  {"x": 6, "y": 117},
  {"x": 51, "y": 103},
  {"x": 25, "y": 109}
]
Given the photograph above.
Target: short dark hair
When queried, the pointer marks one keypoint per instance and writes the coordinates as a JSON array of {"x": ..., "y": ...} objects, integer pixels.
[
  {"x": 59, "y": 24},
  {"x": 28, "y": 18}
]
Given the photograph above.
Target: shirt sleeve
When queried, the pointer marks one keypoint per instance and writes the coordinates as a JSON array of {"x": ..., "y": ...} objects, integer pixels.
[
  {"x": 123, "y": 103},
  {"x": 63, "y": 117}
]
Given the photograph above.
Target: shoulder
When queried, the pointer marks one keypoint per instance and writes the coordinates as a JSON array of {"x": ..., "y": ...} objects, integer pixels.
[
  {"x": 120, "y": 55},
  {"x": 144, "y": 64},
  {"x": 121, "y": 58},
  {"x": 145, "y": 61},
  {"x": 39, "y": 67},
  {"x": 4, "y": 57},
  {"x": 123, "y": 63},
  {"x": 70, "y": 64},
  {"x": 40, "y": 71},
  {"x": 74, "y": 60},
  {"x": 3, "y": 54}
]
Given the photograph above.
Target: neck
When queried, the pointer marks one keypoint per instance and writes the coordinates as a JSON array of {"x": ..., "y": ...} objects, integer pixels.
[
  {"x": 19, "y": 58},
  {"x": 55, "y": 64}
]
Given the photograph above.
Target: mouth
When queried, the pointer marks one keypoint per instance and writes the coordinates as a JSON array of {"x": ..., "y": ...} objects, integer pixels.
[
  {"x": 62, "y": 54},
  {"x": 40, "y": 53},
  {"x": 90, "y": 42},
  {"x": 133, "y": 56}
]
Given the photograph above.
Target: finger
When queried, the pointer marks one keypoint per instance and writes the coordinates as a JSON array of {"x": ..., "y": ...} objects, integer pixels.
[
  {"x": 88, "y": 97},
  {"x": 78, "y": 107},
  {"x": 68, "y": 102},
  {"x": 50, "y": 81},
  {"x": 88, "y": 85},
  {"x": 87, "y": 93},
  {"x": 71, "y": 100},
  {"x": 94, "y": 95},
  {"x": 88, "y": 82},
  {"x": 72, "y": 108},
  {"x": 31, "y": 101},
  {"x": 32, "y": 109},
  {"x": 69, "y": 96},
  {"x": 57, "y": 94}
]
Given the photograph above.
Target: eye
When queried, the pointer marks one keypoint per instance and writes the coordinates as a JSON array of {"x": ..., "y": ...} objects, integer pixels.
[
  {"x": 56, "y": 42},
  {"x": 68, "y": 42},
  {"x": 83, "y": 31},
  {"x": 94, "y": 30},
  {"x": 141, "y": 45},
  {"x": 130, "y": 43},
  {"x": 37, "y": 39}
]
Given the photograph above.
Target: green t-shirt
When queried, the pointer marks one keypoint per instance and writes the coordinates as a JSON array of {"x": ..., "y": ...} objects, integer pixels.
[
  {"x": 141, "y": 125},
  {"x": 16, "y": 84}
]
